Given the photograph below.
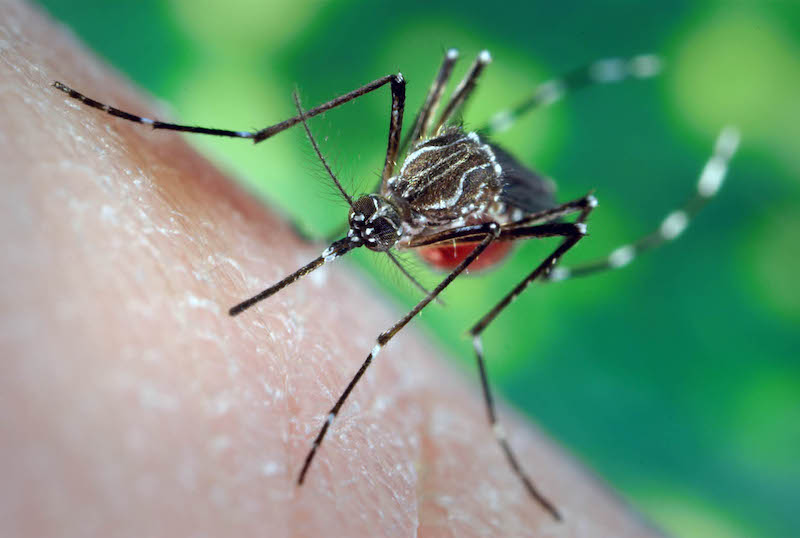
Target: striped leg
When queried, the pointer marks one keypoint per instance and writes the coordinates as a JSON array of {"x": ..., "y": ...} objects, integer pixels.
[
  {"x": 539, "y": 224},
  {"x": 255, "y": 136},
  {"x": 487, "y": 233},
  {"x": 395, "y": 125},
  {"x": 422, "y": 123},
  {"x": 674, "y": 223},
  {"x": 603, "y": 71},
  {"x": 545, "y": 267},
  {"x": 463, "y": 90},
  {"x": 490, "y": 231}
]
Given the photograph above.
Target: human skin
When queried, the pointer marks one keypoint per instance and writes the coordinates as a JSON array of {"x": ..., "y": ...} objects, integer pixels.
[{"x": 131, "y": 404}]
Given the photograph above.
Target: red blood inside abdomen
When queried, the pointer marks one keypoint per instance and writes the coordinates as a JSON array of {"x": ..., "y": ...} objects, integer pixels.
[{"x": 449, "y": 256}]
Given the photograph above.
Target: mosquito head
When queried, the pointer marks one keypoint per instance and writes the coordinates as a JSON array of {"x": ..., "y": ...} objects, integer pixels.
[{"x": 375, "y": 223}]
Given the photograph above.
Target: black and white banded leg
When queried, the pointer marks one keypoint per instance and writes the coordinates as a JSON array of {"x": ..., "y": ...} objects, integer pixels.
[
  {"x": 537, "y": 225},
  {"x": 255, "y": 136},
  {"x": 422, "y": 123},
  {"x": 490, "y": 232},
  {"x": 463, "y": 91},
  {"x": 542, "y": 269},
  {"x": 487, "y": 232},
  {"x": 604, "y": 71},
  {"x": 673, "y": 225},
  {"x": 395, "y": 125}
]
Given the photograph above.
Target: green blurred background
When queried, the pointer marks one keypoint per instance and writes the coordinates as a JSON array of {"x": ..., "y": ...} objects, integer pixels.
[{"x": 677, "y": 378}]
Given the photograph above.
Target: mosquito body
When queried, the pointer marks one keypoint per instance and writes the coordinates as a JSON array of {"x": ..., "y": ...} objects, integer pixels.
[
  {"x": 461, "y": 201},
  {"x": 446, "y": 182}
]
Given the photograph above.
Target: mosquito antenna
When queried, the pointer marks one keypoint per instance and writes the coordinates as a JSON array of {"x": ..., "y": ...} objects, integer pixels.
[
  {"x": 316, "y": 148},
  {"x": 337, "y": 248},
  {"x": 411, "y": 278}
]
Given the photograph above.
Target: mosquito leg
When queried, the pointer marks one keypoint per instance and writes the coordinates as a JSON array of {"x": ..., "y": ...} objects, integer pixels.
[
  {"x": 533, "y": 225},
  {"x": 422, "y": 123},
  {"x": 584, "y": 204},
  {"x": 674, "y": 223},
  {"x": 490, "y": 231},
  {"x": 464, "y": 89},
  {"x": 256, "y": 136},
  {"x": 605, "y": 71},
  {"x": 335, "y": 250},
  {"x": 476, "y": 331},
  {"x": 395, "y": 125},
  {"x": 155, "y": 124}
]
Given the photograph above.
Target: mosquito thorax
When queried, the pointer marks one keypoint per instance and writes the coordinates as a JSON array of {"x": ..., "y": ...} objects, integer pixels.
[{"x": 375, "y": 223}]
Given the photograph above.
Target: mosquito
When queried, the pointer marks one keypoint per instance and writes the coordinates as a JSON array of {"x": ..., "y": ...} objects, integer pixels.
[{"x": 462, "y": 201}]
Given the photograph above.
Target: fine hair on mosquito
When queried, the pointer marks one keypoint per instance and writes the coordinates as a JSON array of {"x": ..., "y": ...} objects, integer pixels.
[{"x": 462, "y": 201}]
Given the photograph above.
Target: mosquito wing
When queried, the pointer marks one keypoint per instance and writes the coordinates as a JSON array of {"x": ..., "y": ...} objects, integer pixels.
[{"x": 524, "y": 189}]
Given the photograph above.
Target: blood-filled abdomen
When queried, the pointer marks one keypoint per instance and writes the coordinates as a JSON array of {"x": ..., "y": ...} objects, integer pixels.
[{"x": 448, "y": 256}]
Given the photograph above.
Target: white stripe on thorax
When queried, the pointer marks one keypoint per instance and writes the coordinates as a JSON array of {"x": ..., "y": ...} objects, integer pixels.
[
  {"x": 413, "y": 157},
  {"x": 431, "y": 178},
  {"x": 451, "y": 200}
]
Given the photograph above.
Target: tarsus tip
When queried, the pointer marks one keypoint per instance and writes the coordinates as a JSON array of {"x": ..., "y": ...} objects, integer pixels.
[{"x": 729, "y": 138}]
